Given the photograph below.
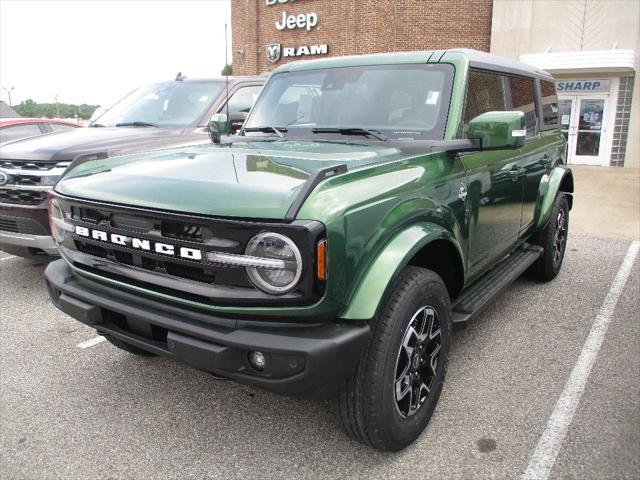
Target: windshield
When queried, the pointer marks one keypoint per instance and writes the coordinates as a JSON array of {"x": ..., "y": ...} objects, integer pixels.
[
  {"x": 175, "y": 104},
  {"x": 398, "y": 101}
]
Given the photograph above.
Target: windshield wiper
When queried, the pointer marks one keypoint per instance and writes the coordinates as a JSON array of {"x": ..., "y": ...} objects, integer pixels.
[
  {"x": 351, "y": 131},
  {"x": 136, "y": 124},
  {"x": 267, "y": 128},
  {"x": 96, "y": 125}
]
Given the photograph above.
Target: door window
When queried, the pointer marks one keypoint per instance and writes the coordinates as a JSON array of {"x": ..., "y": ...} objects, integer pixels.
[
  {"x": 485, "y": 93},
  {"x": 589, "y": 127},
  {"x": 61, "y": 127},
  {"x": 491, "y": 92},
  {"x": 15, "y": 132},
  {"x": 565, "y": 105},
  {"x": 243, "y": 99}
]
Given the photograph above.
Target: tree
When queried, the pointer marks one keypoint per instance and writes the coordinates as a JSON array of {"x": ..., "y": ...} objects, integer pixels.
[
  {"x": 227, "y": 70},
  {"x": 29, "y": 108}
]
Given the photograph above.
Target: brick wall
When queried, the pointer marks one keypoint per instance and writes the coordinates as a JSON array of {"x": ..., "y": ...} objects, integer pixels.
[{"x": 353, "y": 27}]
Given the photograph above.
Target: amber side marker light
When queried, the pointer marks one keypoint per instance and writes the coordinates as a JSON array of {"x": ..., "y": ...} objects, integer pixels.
[{"x": 321, "y": 255}]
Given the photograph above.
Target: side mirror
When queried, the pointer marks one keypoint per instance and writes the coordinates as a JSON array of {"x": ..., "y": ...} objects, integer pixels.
[
  {"x": 498, "y": 130},
  {"x": 218, "y": 126}
]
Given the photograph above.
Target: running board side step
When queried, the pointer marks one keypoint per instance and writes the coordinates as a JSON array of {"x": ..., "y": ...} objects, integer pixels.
[{"x": 480, "y": 294}]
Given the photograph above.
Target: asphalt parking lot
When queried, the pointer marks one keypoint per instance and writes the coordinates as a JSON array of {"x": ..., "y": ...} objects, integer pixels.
[{"x": 97, "y": 412}]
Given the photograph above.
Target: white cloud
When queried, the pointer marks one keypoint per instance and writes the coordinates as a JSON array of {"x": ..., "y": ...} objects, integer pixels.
[{"x": 97, "y": 51}]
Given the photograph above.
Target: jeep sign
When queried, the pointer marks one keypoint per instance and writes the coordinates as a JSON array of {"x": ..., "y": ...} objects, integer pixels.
[{"x": 304, "y": 20}]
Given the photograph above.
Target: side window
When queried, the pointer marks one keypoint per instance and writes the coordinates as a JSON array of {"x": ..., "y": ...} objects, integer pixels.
[
  {"x": 485, "y": 93},
  {"x": 494, "y": 92},
  {"x": 243, "y": 99},
  {"x": 523, "y": 100},
  {"x": 15, "y": 132},
  {"x": 549, "y": 103},
  {"x": 61, "y": 127}
]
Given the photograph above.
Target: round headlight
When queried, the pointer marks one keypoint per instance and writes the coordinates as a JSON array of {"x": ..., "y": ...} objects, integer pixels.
[
  {"x": 280, "y": 277},
  {"x": 56, "y": 220}
]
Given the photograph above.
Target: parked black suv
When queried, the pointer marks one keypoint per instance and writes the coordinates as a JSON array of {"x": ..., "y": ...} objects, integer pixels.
[{"x": 161, "y": 115}]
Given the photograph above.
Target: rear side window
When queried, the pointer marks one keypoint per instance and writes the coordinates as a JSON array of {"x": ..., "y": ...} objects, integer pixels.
[
  {"x": 61, "y": 127},
  {"x": 494, "y": 92},
  {"x": 549, "y": 101},
  {"x": 16, "y": 132}
]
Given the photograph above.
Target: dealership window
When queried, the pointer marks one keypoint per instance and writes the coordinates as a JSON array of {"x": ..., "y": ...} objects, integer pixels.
[
  {"x": 492, "y": 92},
  {"x": 549, "y": 101}
]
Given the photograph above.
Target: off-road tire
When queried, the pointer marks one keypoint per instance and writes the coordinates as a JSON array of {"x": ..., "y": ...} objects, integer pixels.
[
  {"x": 366, "y": 405},
  {"x": 548, "y": 266},
  {"x": 127, "y": 347}
]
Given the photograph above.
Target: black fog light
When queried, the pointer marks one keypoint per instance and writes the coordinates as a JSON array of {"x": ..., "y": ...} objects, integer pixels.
[{"x": 257, "y": 360}]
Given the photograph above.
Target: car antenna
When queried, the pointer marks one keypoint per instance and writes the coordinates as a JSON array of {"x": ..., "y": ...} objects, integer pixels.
[
  {"x": 226, "y": 70},
  {"x": 180, "y": 77}
]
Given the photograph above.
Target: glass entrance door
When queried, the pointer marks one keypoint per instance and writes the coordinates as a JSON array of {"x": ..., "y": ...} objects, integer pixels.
[{"x": 582, "y": 123}]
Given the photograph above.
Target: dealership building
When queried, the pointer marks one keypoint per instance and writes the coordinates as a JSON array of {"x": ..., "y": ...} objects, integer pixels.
[{"x": 591, "y": 47}]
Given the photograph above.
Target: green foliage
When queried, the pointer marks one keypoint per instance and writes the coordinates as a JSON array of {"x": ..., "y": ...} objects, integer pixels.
[
  {"x": 227, "y": 70},
  {"x": 29, "y": 108}
]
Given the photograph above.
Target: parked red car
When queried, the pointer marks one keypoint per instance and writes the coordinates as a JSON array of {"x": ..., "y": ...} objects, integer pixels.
[{"x": 17, "y": 128}]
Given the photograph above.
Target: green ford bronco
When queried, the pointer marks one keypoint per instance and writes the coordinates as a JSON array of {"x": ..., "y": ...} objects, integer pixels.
[{"x": 368, "y": 205}]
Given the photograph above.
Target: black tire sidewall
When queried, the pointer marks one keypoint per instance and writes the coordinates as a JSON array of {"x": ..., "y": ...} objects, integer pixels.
[
  {"x": 561, "y": 204},
  {"x": 429, "y": 290}
]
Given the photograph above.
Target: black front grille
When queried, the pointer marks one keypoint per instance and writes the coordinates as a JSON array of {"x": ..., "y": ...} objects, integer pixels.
[
  {"x": 21, "y": 225},
  {"x": 26, "y": 165},
  {"x": 22, "y": 197},
  {"x": 182, "y": 231},
  {"x": 114, "y": 235},
  {"x": 29, "y": 180}
]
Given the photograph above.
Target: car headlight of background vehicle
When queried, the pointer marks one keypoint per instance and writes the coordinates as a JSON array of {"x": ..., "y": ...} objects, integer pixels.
[
  {"x": 57, "y": 221},
  {"x": 285, "y": 269}
]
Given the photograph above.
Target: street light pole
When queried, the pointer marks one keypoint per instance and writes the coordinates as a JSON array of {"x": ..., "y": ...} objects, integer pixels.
[{"x": 9, "y": 90}]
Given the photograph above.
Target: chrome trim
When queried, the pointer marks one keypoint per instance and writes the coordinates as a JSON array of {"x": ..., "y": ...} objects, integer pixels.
[{"x": 33, "y": 188}]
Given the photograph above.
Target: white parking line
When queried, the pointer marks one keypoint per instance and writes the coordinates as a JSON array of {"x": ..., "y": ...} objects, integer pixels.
[
  {"x": 92, "y": 342},
  {"x": 9, "y": 257},
  {"x": 546, "y": 452}
]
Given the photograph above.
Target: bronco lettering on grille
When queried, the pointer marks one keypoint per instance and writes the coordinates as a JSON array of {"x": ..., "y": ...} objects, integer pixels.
[{"x": 140, "y": 244}]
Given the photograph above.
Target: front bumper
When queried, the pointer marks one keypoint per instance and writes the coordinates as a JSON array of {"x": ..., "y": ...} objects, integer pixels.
[
  {"x": 310, "y": 360},
  {"x": 24, "y": 231},
  {"x": 16, "y": 243}
]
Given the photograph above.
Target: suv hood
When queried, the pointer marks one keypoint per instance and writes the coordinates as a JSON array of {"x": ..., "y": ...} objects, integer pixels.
[
  {"x": 65, "y": 146},
  {"x": 248, "y": 180}
]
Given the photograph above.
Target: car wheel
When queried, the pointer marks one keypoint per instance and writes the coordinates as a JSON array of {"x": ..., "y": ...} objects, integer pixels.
[
  {"x": 390, "y": 399},
  {"x": 127, "y": 347},
  {"x": 553, "y": 239}
]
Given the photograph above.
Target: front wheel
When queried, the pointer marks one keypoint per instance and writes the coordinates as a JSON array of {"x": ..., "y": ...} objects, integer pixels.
[
  {"x": 553, "y": 239},
  {"x": 389, "y": 401}
]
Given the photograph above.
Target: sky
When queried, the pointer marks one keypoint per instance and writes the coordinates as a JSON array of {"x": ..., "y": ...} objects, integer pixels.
[{"x": 96, "y": 51}]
